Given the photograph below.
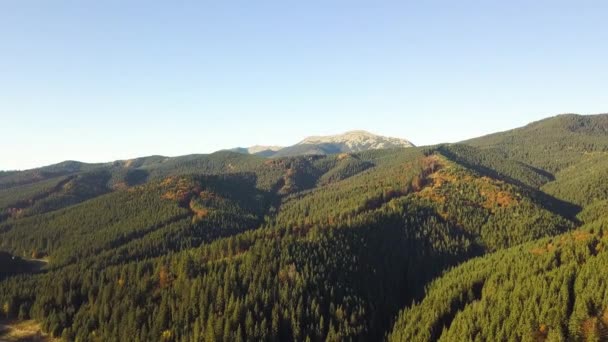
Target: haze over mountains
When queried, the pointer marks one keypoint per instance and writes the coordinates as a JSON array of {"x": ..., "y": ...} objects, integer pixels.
[{"x": 501, "y": 237}]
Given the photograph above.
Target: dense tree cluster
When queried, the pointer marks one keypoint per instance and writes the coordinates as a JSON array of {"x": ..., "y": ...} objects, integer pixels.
[{"x": 553, "y": 289}]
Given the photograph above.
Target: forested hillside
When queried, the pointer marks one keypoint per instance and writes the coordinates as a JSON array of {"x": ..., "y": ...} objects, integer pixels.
[
  {"x": 336, "y": 247},
  {"x": 551, "y": 144},
  {"x": 553, "y": 289}
]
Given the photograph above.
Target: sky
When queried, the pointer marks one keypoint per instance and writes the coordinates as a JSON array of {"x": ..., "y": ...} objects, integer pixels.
[{"x": 105, "y": 80}]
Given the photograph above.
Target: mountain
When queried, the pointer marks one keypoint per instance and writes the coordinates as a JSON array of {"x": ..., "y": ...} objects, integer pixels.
[
  {"x": 256, "y": 149},
  {"x": 263, "y": 151},
  {"x": 489, "y": 239},
  {"x": 356, "y": 141},
  {"x": 353, "y": 141}
]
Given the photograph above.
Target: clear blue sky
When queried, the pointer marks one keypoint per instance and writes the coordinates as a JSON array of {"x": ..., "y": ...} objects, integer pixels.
[{"x": 106, "y": 80}]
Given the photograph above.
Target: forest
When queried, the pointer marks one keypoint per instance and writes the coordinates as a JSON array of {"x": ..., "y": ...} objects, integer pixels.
[{"x": 502, "y": 237}]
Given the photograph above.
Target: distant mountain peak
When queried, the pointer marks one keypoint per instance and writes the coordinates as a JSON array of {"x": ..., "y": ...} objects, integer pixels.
[
  {"x": 348, "y": 142},
  {"x": 358, "y": 140},
  {"x": 344, "y": 136},
  {"x": 261, "y": 148}
]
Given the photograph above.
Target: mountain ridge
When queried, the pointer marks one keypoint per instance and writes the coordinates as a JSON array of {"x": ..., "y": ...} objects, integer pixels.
[{"x": 347, "y": 142}]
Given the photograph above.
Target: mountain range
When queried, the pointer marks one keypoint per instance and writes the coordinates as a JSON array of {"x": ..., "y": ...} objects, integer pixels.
[
  {"x": 352, "y": 141},
  {"x": 349, "y": 237}
]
